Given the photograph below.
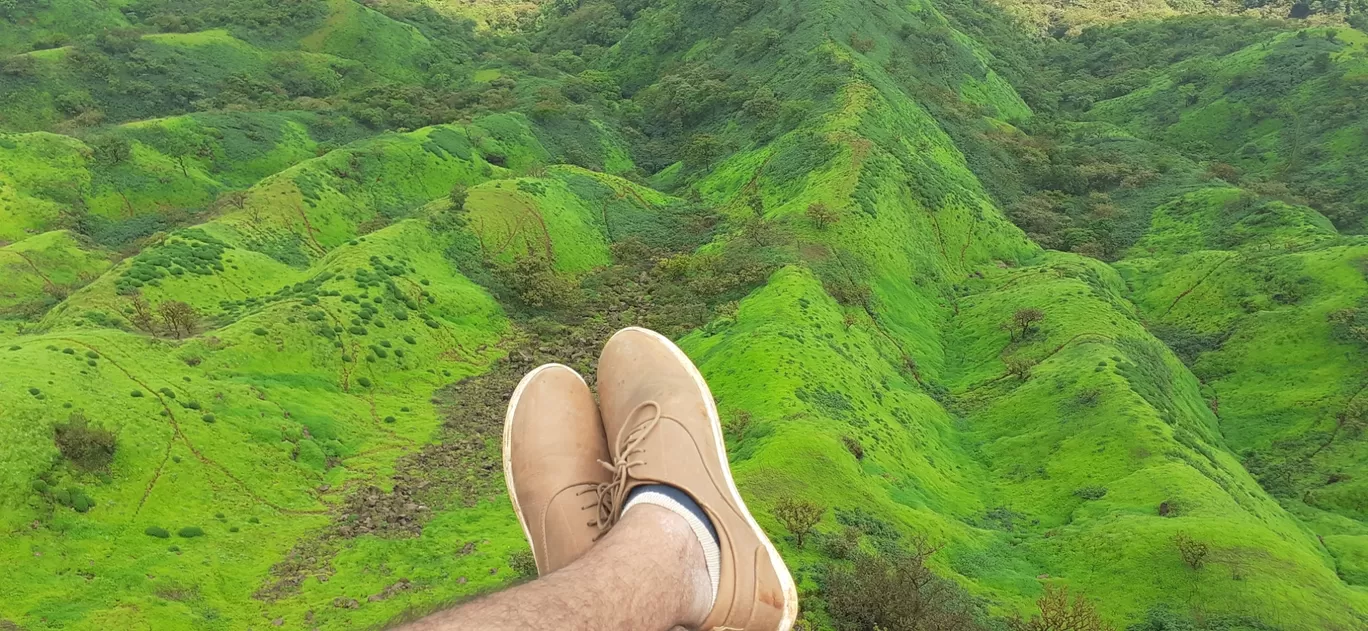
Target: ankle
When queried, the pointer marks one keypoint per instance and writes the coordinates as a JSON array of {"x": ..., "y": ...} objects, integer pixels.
[{"x": 674, "y": 541}]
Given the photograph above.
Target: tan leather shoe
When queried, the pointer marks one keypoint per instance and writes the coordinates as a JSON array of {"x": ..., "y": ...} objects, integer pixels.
[
  {"x": 552, "y": 443},
  {"x": 663, "y": 428}
]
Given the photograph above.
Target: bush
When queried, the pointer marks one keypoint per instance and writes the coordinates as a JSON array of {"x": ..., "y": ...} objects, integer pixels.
[
  {"x": 854, "y": 447},
  {"x": 390, "y": 419},
  {"x": 1091, "y": 492},
  {"x": 233, "y": 529},
  {"x": 895, "y": 592},
  {"x": 1059, "y": 613},
  {"x": 363, "y": 382},
  {"x": 409, "y": 339},
  {"x": 259, "y": 331},
  {"x": 40, "y": 486},
  {"x": 87, "y": 447},
  {"x": 1193, "y": 552},
  {"x": 157, "y": 531},
  {"x": 798, "y": 516},
  {"x": 136, "y": 394},
  {"x": 208, "y": 418},
  {"x": 190, "y": 532}
]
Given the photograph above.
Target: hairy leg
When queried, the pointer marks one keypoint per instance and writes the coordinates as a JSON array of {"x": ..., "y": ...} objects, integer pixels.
[{"x": 648, "y": 574}]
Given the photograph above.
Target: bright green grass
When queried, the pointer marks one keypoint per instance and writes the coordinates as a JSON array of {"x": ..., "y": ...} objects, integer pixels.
[
  {"x": 36, "y": 171},
  {"x": 263, "y": 390},
  {"x": 45, "y": 267}
]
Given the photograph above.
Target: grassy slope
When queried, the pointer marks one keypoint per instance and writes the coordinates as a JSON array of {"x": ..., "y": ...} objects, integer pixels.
[{"x": 294, "y": 429}]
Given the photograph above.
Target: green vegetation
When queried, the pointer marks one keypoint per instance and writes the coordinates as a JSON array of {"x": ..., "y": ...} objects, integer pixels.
[{"x": 1006, "y": 329}]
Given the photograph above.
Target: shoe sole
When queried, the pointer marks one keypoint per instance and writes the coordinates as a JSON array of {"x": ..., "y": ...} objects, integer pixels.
[
  {"x": 785, "y": 579},
  {"x": 508, "y": 442}
]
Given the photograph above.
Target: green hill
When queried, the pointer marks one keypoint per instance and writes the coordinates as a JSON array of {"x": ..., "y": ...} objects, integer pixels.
[{"x": 1084, "y": 311}]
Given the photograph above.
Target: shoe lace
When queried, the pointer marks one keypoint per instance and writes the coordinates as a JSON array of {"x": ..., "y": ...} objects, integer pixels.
[{"x": 612, "y": 494}]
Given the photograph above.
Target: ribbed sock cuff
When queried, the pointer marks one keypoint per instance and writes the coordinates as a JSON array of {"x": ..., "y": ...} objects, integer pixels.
[{"x": 680, "y": 503}]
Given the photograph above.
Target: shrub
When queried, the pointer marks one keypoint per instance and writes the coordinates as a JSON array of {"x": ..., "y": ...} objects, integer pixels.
[
  {"x": 1193, "y": 552},
  {"x": 798, "y": 516},
  {"x": 194, "y": 405},
  {"x": 458, "y": 196},
  {"x": 389, "y": 419},
  {"x": 190, "y": 532},
  {"x": 409, "y": 339},
  {"x": 40, "y": 486},
  {"x": 87, "y": 447},
  {"x": 173, "y": 549},
  {"x": 157, "y": 531},
  {"x": 853, "y": 446},
  {"x": 363, "y": 382},
  {"x": 208, "y": 418},
  {"x": 253, "y": 520},
  {"x": 895, "y": 592},
  {"x": 136, "y": 394},
  {"x": 385, "y": 343},
  {"x": 259, "y": 331},
  {"x": 1059, "y": 613},
  {"x": 1091, "y": 492},
  {"x": 399, "y": 352}
]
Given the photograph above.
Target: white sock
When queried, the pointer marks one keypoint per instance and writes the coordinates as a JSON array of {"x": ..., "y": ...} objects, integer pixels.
[{"x": 712, "y": 553}]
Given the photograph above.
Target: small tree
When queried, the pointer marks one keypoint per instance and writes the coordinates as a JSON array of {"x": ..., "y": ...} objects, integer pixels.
[
  {"x": 85, "y": 446},
  {"x": 798, "y": 516},
  {"x": 1060, "y": 613},
  {"x": 180, "y": 318},
  {"x": 458, "y": 196},
  {"x": 142, "y": 316},
  {"x": 1194, "y": 552},
  {"x": 1020, "y": 367},
  {"x": 821, "y": 216},
  {"x": 1023, "y": 323}
]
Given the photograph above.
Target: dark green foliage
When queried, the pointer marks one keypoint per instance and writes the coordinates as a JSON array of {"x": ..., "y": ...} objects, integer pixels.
[
  {"x": 1091, "y": 492},
  {"x": 136, "y": 394},
  {"x": 259, "y": 331},
  {"x": 208, "y": 418},
  {"x": 364, "y": 382},
  {"x": 190, "y": 532},
  {"x": 409, "y": 339},
  {"x": 88, "y": 447},
  {"x": 157, "y": 531},
  {"x": 895, "y": 590},
  {"x": 390, "y": 419}
]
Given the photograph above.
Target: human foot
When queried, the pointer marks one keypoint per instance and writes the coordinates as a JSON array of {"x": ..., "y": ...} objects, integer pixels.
[
  {"x": 553, "y": 441},
  {"x": 662, "y": 428}
]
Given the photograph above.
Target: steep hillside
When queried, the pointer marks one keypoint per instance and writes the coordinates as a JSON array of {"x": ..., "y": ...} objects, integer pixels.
[{"x": 1028, "y": 312}]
